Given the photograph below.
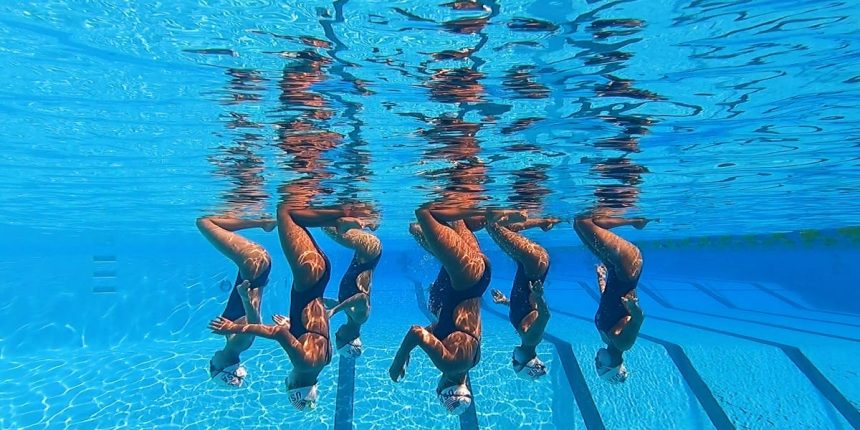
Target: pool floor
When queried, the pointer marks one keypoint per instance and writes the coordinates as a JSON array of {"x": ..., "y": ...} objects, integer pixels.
[{"x": 710, "y": 355}]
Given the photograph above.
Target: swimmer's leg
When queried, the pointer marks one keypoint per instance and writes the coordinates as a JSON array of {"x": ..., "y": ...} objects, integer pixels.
[
  {"x": 533, "y": 325},
  {"x": 464, "y": 263},
  {"x": 240, "y": 342},
  {"x": 611, "y": 249},
  {"x": 533, "y": 257},
  {"x": 251, "y": 258},
  {"x": 306, "y": 260}
]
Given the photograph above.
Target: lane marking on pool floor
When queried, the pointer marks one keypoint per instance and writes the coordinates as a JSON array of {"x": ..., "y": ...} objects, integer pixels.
[
  {"x": 573, "y": 372},
  {"x": 719, "y": 297},
  {"x": 803, "y": 364},
  {"x": 344, "y": 407},
  {"x": 797, "y": 305},
  {"x": 700, "y": 389},
  {"x": 666, "y": 304}
]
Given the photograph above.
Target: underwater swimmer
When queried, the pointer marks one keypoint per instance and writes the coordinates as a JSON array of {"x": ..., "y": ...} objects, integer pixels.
[
  {"x": 618, "y": 317},
  {"x": 528, "y": 313},
  {"x": 243, "y": 306}
]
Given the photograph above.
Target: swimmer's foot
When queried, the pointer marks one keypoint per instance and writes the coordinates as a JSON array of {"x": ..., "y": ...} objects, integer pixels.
[
  {"x": 549, "y": 223},
  {"x": 498, "y": 297},
  {"x": 640, "y": 223},
  {"x": 243, "y": 290},
  {"x": 269, "y": 225},
  {"x": 345, "y": 224},
  {"x": 329, "y": 303}
]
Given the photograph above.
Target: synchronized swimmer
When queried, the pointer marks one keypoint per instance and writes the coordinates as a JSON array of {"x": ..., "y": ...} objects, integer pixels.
[{"x": 453, "y": 340}]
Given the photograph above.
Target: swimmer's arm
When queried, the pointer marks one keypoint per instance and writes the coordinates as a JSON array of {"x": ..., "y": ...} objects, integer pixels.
[
  {"x": 418, "y": 336},
  {"x": 355, "y": 299},
  {"x": 279, "y": 333},
  {"x": 627, "y": 329},
  {"x": 222, "y": 325}
]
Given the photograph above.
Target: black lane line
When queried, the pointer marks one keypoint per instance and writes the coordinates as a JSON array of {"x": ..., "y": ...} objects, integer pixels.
[
  {"x": 719, "y": 297},
  {"x": 468, "y": 419},
  {"x": 713, "y": 295},
  {"x": 575, "y": 378},
  {"x": 343, "y": 411},
  {"x": 794, "y": 304},
  {"x": 685, "y": 367},
  {"x": 806, "y": 367},
  {"x": 665, "y": 303}
]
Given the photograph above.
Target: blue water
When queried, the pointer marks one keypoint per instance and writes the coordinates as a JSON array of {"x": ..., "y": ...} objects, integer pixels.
[{"x": 734, "y": 123}]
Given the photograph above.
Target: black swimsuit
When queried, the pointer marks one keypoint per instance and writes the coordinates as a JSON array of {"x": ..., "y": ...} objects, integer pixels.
[
  {"x": 299, "y": 300},
  {"x": 349, "y": 282},
  {"x": 450, "y": 298},
  {"x": 611, "y": 309},
  {"x": 234, "y": 309},
  {"x": 520, "y": 292}
]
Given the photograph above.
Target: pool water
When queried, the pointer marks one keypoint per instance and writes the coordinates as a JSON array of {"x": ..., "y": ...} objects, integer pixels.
[
  {"x": 713, "y": 353},
  {"x": 731, "y": 123}
]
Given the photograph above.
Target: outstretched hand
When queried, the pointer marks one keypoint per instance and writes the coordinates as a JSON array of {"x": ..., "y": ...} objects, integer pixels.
[
  {"x": 498, "y": 297},
  {"x": 600, "y": 269},
  {"x": 281, "y": 320},
  {"x": 222, "y": 325}
]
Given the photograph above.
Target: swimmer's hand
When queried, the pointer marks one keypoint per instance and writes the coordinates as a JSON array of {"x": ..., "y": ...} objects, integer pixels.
[
  {"x": 397, "y": 371},
  {"x": 281, "y": 320},
  {"x": 632, "y": 306},
  {"x": 222, "y": 325},
  {"x": 536, "y": 288},
  {"x": 498, "y": 297}
]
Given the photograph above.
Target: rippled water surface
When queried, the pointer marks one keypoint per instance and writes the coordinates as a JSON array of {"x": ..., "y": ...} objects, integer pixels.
[{"x": 714, "y": 116}]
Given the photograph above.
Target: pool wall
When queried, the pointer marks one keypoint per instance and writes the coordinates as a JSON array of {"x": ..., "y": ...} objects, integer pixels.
[{"x": 108, "y": 290}]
